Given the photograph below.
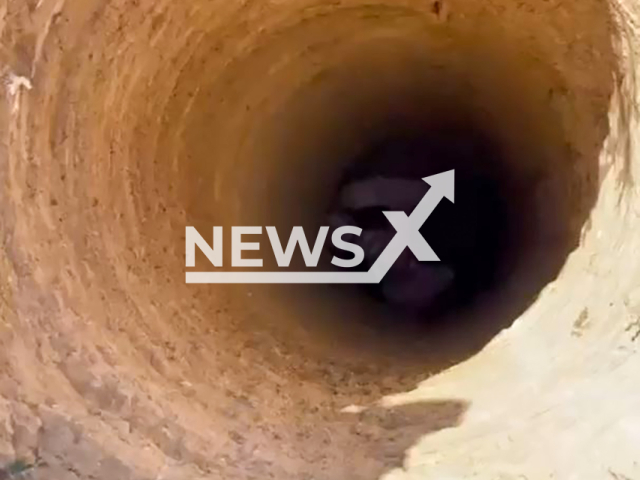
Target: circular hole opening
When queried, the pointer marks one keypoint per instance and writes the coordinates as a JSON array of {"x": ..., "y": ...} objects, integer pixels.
[
  {"x": 254, "y": 113},
  {"x": 399, "y": 101}
]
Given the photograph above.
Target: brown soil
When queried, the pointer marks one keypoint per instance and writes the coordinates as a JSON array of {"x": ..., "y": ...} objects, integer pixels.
[{"x": 124, "y": 121}]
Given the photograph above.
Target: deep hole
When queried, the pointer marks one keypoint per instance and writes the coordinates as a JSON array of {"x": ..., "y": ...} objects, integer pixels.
[
  {"x": 470, "y": 236},
  {"x": 526, "y": 180},
  {"x": 242, "y": 113}
]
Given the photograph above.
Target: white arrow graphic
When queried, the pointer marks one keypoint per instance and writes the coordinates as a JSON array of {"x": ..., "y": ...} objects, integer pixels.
[{"x": 407, "y": 236}]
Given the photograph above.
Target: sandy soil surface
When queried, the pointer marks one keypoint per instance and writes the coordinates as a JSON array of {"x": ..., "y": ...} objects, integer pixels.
[{"x": 123, "y": 121}]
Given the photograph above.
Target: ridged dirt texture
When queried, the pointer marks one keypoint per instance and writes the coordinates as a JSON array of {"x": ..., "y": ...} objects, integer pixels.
[{"x": 123, "y": 121}]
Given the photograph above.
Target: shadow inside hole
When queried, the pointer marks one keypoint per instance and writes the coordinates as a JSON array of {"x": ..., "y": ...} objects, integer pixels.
[
  {"x": 469, "y": 236},
  {"x": 507, "y": 236}
]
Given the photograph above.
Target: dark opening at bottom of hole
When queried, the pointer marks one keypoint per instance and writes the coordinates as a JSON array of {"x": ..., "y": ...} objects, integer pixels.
[{"x": 469, "y": 236}]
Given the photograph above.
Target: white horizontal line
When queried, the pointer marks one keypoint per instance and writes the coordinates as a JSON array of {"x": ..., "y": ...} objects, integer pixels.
[{"x": 282, "y": 277}]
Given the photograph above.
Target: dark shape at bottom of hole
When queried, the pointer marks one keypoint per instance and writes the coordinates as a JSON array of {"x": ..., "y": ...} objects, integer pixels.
[{"x": 469, "y": 236}]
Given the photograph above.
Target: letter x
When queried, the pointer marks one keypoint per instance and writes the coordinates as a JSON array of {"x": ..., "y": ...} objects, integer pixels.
[{"x": 408, "y": 233}]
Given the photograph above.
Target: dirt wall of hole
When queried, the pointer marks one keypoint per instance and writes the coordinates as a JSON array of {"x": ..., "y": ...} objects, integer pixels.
[{"x": 125, "y": 121}]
